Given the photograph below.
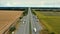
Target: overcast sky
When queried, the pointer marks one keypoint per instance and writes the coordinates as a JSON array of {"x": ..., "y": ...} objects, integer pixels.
[{"x": 30, "y": 3}]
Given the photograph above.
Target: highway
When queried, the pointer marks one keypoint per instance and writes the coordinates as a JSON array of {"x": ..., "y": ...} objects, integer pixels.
[
  {"x": 23, "y": 28},
  {"x": 28, "y": 23}
]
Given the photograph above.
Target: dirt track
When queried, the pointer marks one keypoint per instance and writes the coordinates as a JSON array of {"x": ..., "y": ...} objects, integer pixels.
[{"x": 7, "y": 18}]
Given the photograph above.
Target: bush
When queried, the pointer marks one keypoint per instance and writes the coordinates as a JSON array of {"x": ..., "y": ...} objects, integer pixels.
[
  {"x": 34, "y": 13},
  {"x": 46, "y": 30},
  {"x": 12, "y": 29},
  {"x": 21, "y": 17},
  {"x": 52, "y": 33},
  {"x": 24, "y": 13}
]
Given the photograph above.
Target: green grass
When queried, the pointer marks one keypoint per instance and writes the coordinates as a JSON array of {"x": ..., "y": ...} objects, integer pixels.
[{"x": 51, "y": 20}]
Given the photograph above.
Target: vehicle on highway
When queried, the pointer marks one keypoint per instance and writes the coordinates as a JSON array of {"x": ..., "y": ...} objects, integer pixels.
[
  {"x": 24, "y": 22},
  {"x": 13, "y": 32},
  {"x": 35, "y": 30}
]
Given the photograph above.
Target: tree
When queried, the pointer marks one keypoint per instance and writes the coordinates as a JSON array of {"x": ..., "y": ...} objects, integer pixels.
[
  {"x": 52, "y": 33},
  {"x": 12, "y": 29}
]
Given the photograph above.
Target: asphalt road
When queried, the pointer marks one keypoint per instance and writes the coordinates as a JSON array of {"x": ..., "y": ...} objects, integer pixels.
[
  {"x": 23, "y": 28},
  {"x": 34, "y": 23},
  {"x": 28, "y": 23}
]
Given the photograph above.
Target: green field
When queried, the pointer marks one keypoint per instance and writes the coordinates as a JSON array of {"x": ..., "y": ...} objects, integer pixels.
[{"x": 50, "y": 19}]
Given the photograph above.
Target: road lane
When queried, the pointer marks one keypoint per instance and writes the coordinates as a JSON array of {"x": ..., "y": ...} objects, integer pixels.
[
  {"x": 30, "y": 22},
  {"x": 34, "y": 23},
  {"x": 23, "y": 28}
]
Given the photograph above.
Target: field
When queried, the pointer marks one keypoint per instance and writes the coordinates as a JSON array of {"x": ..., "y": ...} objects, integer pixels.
[
  {"x": 50, "y": 19},
  {"x": 8, "y": 17}
]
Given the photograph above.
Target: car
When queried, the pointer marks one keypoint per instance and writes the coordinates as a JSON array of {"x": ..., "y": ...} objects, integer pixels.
[
  {"x": 34, "y": 29},
  {"x": 24, "y": 21},
  {"x": 13, "y": 32}
]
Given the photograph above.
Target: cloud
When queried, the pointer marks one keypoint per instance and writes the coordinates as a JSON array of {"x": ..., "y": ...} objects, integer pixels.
[{"x": 29, "y": 3}]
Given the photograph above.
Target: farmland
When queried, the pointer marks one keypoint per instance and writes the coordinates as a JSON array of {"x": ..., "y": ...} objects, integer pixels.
[
  {"x": 8, "y": 17},
  {"x": 50, "y": 19}
]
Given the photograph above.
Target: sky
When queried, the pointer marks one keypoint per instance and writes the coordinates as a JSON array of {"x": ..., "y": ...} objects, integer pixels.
[{"x": 29, "y": 3}]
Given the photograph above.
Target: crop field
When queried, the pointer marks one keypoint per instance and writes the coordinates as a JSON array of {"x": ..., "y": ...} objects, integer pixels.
[
  {"x": 7, "y": 18},
  {"x": 50, "y": 19}
]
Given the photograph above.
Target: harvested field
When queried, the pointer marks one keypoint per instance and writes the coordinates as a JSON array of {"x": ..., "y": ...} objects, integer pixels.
[{"x": 8, "y": 17}]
